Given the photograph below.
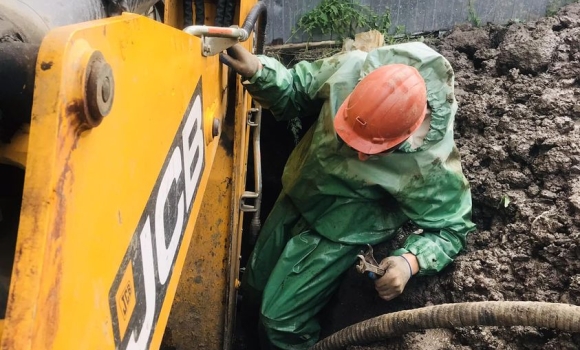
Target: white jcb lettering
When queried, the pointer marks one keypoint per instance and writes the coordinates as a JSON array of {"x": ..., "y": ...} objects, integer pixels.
[
  {"x": 192, "y": 177},
  {"x": 166, "y": 215},
  {"x": 138, "y": 342},
  {"x": 165, "y": 254}
]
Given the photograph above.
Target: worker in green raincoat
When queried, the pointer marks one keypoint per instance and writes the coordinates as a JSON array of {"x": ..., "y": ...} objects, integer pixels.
[{"x": 380, "y": 154}]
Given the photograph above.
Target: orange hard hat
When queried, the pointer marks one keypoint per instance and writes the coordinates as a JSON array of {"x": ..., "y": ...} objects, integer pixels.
[{"x": 383, "y": 110}]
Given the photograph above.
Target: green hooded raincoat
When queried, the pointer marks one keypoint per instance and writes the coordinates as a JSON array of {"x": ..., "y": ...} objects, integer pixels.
[{"x": 332, "y": 204}]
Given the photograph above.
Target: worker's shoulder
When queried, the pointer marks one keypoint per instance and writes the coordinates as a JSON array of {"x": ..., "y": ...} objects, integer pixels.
[
  {"x": 350, "y": 61},
  {"x": 415, "y": 50},
  {"x": 416, "y": 54},
  {"x": 347, "y": 56}
]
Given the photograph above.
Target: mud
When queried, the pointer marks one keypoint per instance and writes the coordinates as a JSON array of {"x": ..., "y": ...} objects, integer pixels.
[{"x": 517, "y": 129}]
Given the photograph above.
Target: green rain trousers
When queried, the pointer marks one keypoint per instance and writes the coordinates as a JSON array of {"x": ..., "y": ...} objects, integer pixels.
[{"x": 332, "y": 204}]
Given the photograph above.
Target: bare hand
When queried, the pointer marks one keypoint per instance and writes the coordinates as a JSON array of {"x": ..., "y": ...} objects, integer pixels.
[
  {"x": 396, "y": 276},
  {"x": 241, "y": 60}
]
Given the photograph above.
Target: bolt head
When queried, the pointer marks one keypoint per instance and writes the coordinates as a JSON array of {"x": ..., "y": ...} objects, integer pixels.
[
  {"x": 216, "y": 126},
  {"x": 99, "y": 89}
]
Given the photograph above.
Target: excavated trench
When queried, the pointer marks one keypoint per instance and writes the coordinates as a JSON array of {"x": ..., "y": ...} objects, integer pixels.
[{"x": 517, "y": 129}]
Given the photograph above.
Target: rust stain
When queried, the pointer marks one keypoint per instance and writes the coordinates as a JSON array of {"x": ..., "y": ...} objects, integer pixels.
[
  {"x": 76, "y": 111},
  {"x": 75, "y": 108},
  {"x": 68, "y": 139}
]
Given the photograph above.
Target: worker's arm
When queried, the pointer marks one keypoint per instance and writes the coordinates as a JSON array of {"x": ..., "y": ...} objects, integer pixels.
[
  {"x": 289, "y": 93},
  {"x": 437, "y": 199},
  {"x": 440, "y": 204}
]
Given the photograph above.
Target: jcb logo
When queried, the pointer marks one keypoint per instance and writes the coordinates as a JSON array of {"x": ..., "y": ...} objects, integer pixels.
[{"x": 137, "y": 294}]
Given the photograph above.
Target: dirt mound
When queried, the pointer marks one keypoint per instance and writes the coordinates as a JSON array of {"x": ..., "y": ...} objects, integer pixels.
[{"x": 517, "y": 128}]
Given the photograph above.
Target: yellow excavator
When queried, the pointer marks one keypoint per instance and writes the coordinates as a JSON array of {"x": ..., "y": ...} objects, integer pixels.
[
  {"x": 123, "y": 167},
  {"x": 124, "y": 147}
]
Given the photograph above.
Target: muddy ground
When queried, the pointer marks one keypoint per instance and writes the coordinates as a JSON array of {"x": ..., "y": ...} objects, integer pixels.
[{"x": 517, "y": 128}]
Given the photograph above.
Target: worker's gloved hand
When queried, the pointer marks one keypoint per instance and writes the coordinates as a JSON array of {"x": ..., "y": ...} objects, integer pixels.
[
  {"x": 243, "y": 62},
  {"x": 397, "y": 274}
]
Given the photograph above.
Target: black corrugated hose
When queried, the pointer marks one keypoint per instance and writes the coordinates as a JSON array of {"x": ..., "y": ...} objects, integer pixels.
[
  {"x": 258, "y": 12},
  {"x": 562, "y": 317}
]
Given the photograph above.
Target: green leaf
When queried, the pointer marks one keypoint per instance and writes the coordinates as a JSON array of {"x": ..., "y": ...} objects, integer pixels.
[{"x": 504, "y": 201}]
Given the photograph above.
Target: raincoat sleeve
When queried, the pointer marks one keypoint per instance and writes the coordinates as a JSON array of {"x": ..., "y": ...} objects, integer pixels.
[
  {"x": 289, "y": 93},
  {"x": 440, "y": 205}
]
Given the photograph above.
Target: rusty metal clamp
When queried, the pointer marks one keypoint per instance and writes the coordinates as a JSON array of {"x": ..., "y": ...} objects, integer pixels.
[{"x": 368, "y": 264}]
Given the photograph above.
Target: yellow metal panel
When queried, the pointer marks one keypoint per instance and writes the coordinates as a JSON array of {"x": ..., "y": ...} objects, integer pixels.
[
  {"x": 241, "y": 163},
  {"x": 92, "y": 197},
  {"x": 211, "y": 271},
  {"x": 198, "y": 312},
  {"x": 174, "y": 13},
  {"x": 206, "y": 295}
]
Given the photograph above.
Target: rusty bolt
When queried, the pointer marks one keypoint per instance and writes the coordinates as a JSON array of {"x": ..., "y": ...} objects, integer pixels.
[
  {"x": 99, "y": 89},
  {"x": 215, "y": 128}
]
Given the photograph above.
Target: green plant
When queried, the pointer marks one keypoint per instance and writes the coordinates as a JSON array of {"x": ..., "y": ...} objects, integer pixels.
[
  {"x": 472, "y": 16},
  {"x": 552, "y": 7},
  {"x": 555, "y": 5},
  {"x": 400, "y": 36},
  {"x": 343, "y": 18},
  {"x": 504, "y": 201}
]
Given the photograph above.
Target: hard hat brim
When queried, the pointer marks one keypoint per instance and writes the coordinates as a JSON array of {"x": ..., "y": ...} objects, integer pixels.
[{"x": 345, "y": 129}]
